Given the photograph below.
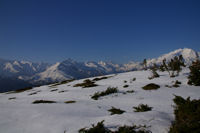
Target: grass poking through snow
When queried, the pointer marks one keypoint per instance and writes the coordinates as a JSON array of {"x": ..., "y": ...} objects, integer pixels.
[
  {"x": 114, "y": 110},
  {"x": 142, "y": 108},
  {"x": 109, "y": 90},
  {"x": 86, "y": 83},
  {"x": 67, "y": 102}
]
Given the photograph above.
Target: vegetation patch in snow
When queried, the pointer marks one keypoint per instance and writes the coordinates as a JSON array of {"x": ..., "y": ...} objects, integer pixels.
[
  {"x": 194, "y": 77},
  {"x": 43, "y": 101},
  {"x": 134, "y": 79},
  {"x": 187, "y": 116},
  {"x": 11, "y": 98},
  {"x": 62, "y": 91},
  {"x": 175, "y": 84},
  {"x": 130, "y": 91},
  {"x": 142, "y": 108},
  {"x": 109, "y": 90},
  {"x": 34, "y": 93},
  {"x": 125, "y": 86},
  {"x": 86, "y": 83},
  {"x": 67, "y": 102},
  {"x": 62, "y": 82},
  {"x": 114, "y": 110},
  {"x": 54, "y": 90},
  {"x": 101, "y": 78},
  {"x": 100, "y": 128},
  {"x": 22, "y": 90},
  {"x": 151, "y": 86}
]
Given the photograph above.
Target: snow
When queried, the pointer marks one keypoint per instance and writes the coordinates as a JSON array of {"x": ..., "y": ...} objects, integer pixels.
[
  {"x": 21, "y": 116},
  {"x": 68, "y": 66},
  {"x": 189, "y": 55},
  {"x": 52, "y": 73},
  {"x": 9, "y": 67}
]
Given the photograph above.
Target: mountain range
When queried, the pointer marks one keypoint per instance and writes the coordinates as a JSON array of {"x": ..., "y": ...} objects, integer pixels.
[{"x": 19, "y": 74}]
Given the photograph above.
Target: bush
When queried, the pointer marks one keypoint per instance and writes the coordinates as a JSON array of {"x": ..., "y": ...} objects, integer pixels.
[
  {"x": 24, "y": 89},
  {"x": 11, "y": 98},
  {"x": 133, "y": 79},
  {"x": 194, "y": 77},
  {"x": 175, "y": 84},
  {"x": 62, "y": 82},
  {"x": 67, "y": 102},
  {"x": 63, "y": 91},
  {"x": 86, "y": 83},
  {"x": 125, "y": 86},
  {"x": 34, "y": 93},
  {"x": 97, "y": 79},
  {"x": 43, "y": 101},
  {"x": 110, "y": 90},
  {"x": 54, "y": 90},
  {"x": 173, "y": 65},
  {"x": 154, "y": 73},
  {"x": 142, "y": 108},
  {"x": 132, "y": 129},
  {"x": 100, "y": 128},
  {"x": 151, "y": 86},
  {"x": 130, "y": 91},
  {"x": 187, "y": 116},
  {"x": 114, "y": 110}
]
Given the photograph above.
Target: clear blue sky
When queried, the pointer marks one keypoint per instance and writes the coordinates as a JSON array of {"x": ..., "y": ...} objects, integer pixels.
[{"x": 53, "y": 30}]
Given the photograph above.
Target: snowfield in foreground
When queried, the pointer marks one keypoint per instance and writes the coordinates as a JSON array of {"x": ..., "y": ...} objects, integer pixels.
[{"x": 18, "y": 114}]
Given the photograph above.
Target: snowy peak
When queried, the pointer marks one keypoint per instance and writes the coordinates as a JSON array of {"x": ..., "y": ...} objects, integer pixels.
[
  {"x": 69, "y": 68},
  {"x": 51, "y": 74},
  {"x": 10, "y": 68},
  {"x": 42, "y": 73},
  {"x": 189, "y": 55}
]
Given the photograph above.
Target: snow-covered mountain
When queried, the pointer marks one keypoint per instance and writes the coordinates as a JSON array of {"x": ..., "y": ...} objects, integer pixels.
[
  {"x": 16, "y": 74},
  {"x": 10, "y": 68},
  {"x": 72, "y": 69},
  {"x": 43, "y": 73},
  {"x": 189, "y": 55}
]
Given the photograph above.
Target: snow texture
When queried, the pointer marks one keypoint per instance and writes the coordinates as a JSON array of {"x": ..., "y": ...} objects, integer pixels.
[{"x": 19, "y": 115}]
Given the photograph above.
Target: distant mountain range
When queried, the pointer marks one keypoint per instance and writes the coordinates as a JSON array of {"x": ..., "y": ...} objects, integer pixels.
[{"x": 19, "y": 74}]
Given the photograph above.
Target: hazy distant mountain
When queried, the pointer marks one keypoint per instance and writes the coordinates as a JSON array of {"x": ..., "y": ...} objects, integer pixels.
[
  {"x": 9, "y": 68},
  {"x": 43, "y": 73},
  {"x": 14, "y": 74},
  {"x": 11, "y": 83}
]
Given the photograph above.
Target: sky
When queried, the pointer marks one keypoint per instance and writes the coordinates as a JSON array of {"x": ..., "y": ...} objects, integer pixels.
[{"x": 108, "y": 30}]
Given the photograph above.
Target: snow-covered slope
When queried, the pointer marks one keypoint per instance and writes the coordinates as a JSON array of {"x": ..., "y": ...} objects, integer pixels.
[{"x": 19, "y": 115}]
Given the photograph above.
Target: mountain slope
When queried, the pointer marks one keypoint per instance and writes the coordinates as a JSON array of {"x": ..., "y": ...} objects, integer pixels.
[
  {"x": 44, "y": 73},
  {"x": 19, "y": 115},
  {"x": 77, "y": 70},
  {"x": 10, "y": 68},
  {"x": 52, "y": 74}
]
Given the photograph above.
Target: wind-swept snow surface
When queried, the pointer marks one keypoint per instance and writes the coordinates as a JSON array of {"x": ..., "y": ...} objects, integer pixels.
[{"x": 19, "y": 115}]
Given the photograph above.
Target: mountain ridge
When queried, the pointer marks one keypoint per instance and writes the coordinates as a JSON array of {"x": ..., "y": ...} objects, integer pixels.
[{"x": 44, "y": 73}]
